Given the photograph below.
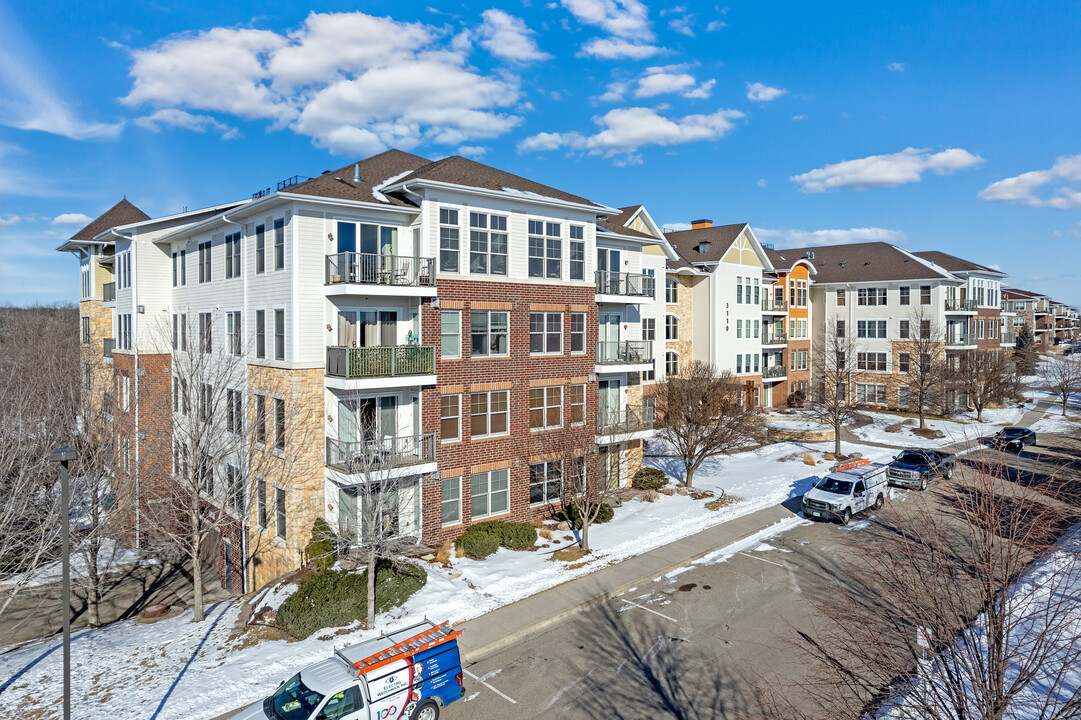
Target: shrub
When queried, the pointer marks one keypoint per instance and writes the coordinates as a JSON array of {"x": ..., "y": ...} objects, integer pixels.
[
  {"x": 573, "y": 517},
  {"x": 477, "y": 545},
  {"x": 320, "y": 549},
  {"x": 335, "y": 598},
  {"x": 796, "y": 399},
  {"x": 484, "y": 538},
  {"x": 649, "y": 479},
  {"x": 518, "y": 536}
]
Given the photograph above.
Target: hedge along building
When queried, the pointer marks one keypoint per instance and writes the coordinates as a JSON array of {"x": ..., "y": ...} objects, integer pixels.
[{"x": 786, "y": 311}]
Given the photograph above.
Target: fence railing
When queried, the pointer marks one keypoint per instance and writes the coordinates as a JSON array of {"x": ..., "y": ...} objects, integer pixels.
[
  {"x": 107, "y": 347},
  {"x": 1008, "y": 338},
  {"x": 630, "y": 284},
  {"x": 774, "y": 371},
  {"x": 625, "y": 352},
  {"x": 632, "y": 418},
  {"x": 774, "y": 339},
  {"x": 960, "y": 339},
  {"x": 953, "y": 305},
  {"x": 381, "y": 361},
  {"x": 380, "y": 453},
  {"x": 769, "y": 305},
  {"x": 108, "y": 292},
  {"x": 374, "y": 269}
]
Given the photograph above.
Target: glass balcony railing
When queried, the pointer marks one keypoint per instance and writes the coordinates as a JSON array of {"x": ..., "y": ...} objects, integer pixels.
[{"x": 632, "y": 418}]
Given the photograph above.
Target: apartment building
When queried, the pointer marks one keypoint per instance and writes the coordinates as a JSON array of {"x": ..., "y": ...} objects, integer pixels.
[
  {"x": 1066, "y": 323},
  {"x": 786, "y": 311},
  {"x": 445, "y": 324},
  {"x": 1024, "y": 307},
  {"x": 714, "y": 298}
]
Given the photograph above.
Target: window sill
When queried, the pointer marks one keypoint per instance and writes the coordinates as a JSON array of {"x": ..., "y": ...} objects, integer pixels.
[
  {"x": 490, "y": 357},
  {"x": 545, "y": 429},
  {"x": 279, "y": 541},
  {"x": 482, "y": 438},
  {"x": 455, "y": 441},
  {"x": 478, "y": 518},
  {"x": 452, "y": 525}
]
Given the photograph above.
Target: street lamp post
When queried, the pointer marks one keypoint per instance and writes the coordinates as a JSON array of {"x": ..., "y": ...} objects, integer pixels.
[{"x": 63, "y": 456}]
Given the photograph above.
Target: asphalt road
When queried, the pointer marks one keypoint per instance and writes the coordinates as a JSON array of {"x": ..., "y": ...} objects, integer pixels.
[{"x": 715, "y": 641}]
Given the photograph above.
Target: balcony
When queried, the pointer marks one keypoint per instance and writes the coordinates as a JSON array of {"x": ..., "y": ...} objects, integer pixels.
[
  {"x": 957, "y": 340},
  {"x": 1008, "y": 338},
  {"x": 107, "y": 347},
  {"x": 960, "y": 306},
  {"x": 379, "y": 367},
  {"x": 352, "y": 273},
  {"x": 619, "y": 285},
  {"x": 108, "y": 292},
  {"x": 769, "y": 306},
  {"x": 774, "y": 372},
  {"x": 364, "y": 457},
  {"x": 774, "y": 339},
  {"x": 624, "y": 356},
  {"x": 634, "y": 422}
]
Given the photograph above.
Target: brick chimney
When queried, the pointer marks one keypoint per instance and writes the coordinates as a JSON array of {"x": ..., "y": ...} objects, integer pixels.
[{"x": 698, "y": 224}]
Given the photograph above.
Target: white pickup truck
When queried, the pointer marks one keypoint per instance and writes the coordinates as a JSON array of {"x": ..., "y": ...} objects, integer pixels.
[{"x": 850, "y": 488}]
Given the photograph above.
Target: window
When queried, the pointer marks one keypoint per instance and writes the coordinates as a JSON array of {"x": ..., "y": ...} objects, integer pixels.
[
  {"x": 260, "y": 249},
  {"x": 756, "y": 356},
  {"x": 649, "y": 329},
  {"x": 206, "y": 332},
  {"x": 671, "y": 290},
  {"x": 450, "y": 334},
  {"x": 545, "y": 332},
  {"x": 204, "y": 262},
  {"x": 739, "y": 290},
  {"x": 206, "y": 401},
  {"x": 671, "y": 364},
  {"x": 756, "y": 327},
  {"x": 488, "y": 330},
  {"x": 904, "y": 297},
  {"x": 903, "y": 360},
  {"x": 488, "y": 413},
  {"x": 235, "y": 414},
  {"x": 279, "y": 334},
  {"x": 489, "y": 493},
  {"x": 925, "y": 329},
  {"x": 487, "y": 244},
  {"x": 452, "y": 500},
  {"x": 279, "y": 244},
  {"x": 871, "y": 361},
  {"x": 801, "y": 293},
  {"x": 205, "y": 469},
  {"x": 841, "y": 361},
  {"x": 925, "y": 294},
  {"x": 279, "y": 513},
  {"x": 545, "y": 250},
  {"x": 545, "y": 408},
  {"x": 739, "y": 329},
  {"x": 756, "y": 291},
  {"x": 576, "y": 258},
  {"x": 84, "y": 329},
  {"x": 840, "y": 328},
  {"x": 232, "y": 331},
  {"x": 902, "y": 396},
  {"x": 576, "y": 396},
  {"x": 840, "y": 298},
  {"x": 801, "y": 328},
  {"x": 903, "y": 329},
  {"x": 260, "y": 504},
  {"x": 183, "y": 267},
  {"x": 872, "y": 394},
  {"x": 739, "y": 362},
  {"x": 260, "y": 419},
  {"x": 234, "y": 488},
  {"x": 260, "y": 333},
  {"x": 450, "y": 418},
  {"x": 546, "y": 482},
  {"x": 279, "y": 424},
  {"x": 124, "y": 341},
  {"x": 232, "y": 255},
  {"x": 671, "y": 327},
  {"x": 578, "y": 332},
  {"x": 871, "y": 296},
  {"x": 801, "y": 363},
  {"x": 448, "y": 240},
  {"x": 871, "y": 328},
  {"x": 174, "y": 270}
]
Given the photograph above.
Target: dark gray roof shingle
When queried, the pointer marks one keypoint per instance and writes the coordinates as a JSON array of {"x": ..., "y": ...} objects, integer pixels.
[
  {"x": 954, "y": 263},
  {"x": 123, "y": 213},
  {"x": 864, "y": 262},
  {"x": 719, "y": 237},
  {"x": 338, "y": 184}
]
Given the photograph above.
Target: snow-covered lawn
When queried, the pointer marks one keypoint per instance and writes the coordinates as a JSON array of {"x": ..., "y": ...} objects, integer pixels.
[
  {"x": 178, "y": 669},
  {"x": 110, "y": 559},
  {"x": 962, "y": 428}
]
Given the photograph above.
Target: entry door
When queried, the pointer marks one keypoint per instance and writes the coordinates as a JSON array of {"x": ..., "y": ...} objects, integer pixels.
[
  {"x": 608, "y": 461},
  {"x": 608, "y": 402},
  {"x": 608, "y": 336},
  {"x": 347, "y": 512},
  {"x": 369, "y": 253}
]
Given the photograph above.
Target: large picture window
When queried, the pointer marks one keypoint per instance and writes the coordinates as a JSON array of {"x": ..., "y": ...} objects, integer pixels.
[
  {"x": 546, "y": 332},
  {"x": 546, "y": 482},
  {"x": 487, "y": 244},
  {"x": 489, "y": 332},
  {"x": 871, "y": 296},
  {"x": 488, "y": 414},
  {"x": 545, "y": 250},
  {"x": 489, "y": 493}
]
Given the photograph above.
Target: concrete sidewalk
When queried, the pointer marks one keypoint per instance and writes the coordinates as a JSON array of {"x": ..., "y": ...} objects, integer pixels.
[{"x": 490, "y": 633}]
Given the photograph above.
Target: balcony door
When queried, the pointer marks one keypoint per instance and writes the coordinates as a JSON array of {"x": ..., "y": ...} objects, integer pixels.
[
  {"x": 367, "y": 328},
  {"x": 608, "y": 264},
  {"x": 608, "y": 402},
  {"x": 608, "y": 336}
]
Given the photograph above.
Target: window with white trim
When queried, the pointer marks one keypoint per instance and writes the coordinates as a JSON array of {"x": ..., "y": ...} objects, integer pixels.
[
  {"x": 903, "y": 329},
  {"x": 545, "y": 482},
  {"x": 576, "y": 398},
  {"x": 279, "y": 513},
  {"x": 871, "y": 393},
  {"x": 545, "y": 407},
  {"x": 260, "y": 252},
  {"x": 576, "y": 258},
  {"x": 871, "y": 329},
  {"x": 450, "y": 418},
  {"x": 232, "y": 255},
  {"x": 545, "y": 333},
  {"x": 671, "y": 327},
  {"x": 450, "y": 334},
  {"x": 871, "y": 297},
  {"x": 205, "y": 265},
  {"x": 279, "y": 244},
  {"x": 260, "y": 334},
  {"x": 487, "y": 244},
  {"x": 235, "y": 412},
  {"x": 279, "y": 334},
  {"x": 903, "y": 362},
  {"x": 232, "y": 332},
  {"x": 578, "y": 332},
  {"x": 545, "y": 250},
  {"x": 488, "y": 414},
  {"x": 489, "y": 493},
  {"x": 449, "y": 232},
  {"x": 871, "y": 361},
  {"x": 206, "y": 332},
  {"x": 671, "y": 291},
  {"x": 489, "y": 333},
  {"x": 451, "y": 500},
  {"x": 904, "y": 295},
  {"x": 671, "y": 364}
]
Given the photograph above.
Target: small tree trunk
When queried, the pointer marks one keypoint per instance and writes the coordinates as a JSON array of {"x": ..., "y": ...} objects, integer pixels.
[
  {"x": 837, "y": 438},
  {"x": 689, "y": 480},
  {"x": 197, "y": 581},
  {"x": 372, "y": 561},
  {"x": 586, "y": 522}
]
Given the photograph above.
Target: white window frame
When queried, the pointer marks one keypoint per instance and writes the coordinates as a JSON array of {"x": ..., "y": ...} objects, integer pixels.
[
  {"x": 488, "y": 232},
  {"x": 546, "y": 334},
  {"x": 489, "y": 493},
  {"x": 456, "y": 483},
  {"x": 451, "y": 223},
  {"x": 443, "y": 335},
  {"x": 546, "y": 470},
  {"x": 457, "y": 418},
  {"x": 488, "y": 414},
  {"x": 551, "y": 400}
]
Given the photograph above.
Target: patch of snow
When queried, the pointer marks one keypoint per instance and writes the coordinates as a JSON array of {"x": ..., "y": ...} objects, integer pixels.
[{"x": 749, "y": 542}]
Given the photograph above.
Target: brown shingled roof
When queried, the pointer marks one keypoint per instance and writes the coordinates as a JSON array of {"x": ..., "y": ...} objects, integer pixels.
[
  {"x": 618, "y": 223},
  {"x": 338, "y": 184},
  {"x": 865, "y": 262},
  {"x": 954, "y": 263},
  {"x": 123, "y": 213},
  {"x": 720, "y": 238}
]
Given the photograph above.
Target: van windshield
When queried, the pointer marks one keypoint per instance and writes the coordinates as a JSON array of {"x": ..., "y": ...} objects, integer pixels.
[
  {"x": 833, "y": 485},
  {"x": 293, "y": 700}
]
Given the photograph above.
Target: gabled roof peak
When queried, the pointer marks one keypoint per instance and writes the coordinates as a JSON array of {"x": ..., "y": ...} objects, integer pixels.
[{"x": 123, "y": 213}]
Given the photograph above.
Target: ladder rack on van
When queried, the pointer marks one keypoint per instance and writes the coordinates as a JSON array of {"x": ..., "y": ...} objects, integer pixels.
[{"x": 402, "y": 648}]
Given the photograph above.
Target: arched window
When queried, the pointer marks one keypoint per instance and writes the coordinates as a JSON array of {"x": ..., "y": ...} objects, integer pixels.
[
  {"x": 671, "y": 327},
  {"x": 671, "y": 363}
]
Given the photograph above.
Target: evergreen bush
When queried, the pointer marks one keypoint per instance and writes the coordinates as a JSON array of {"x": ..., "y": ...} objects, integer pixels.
[
  {"x": 477, "y": 545},
  {"x": 573, "y": 517},
  {"x": 649, "y": 479},
  {"x": 320, "y": 549},
  {"x": 518, "y": 536}
]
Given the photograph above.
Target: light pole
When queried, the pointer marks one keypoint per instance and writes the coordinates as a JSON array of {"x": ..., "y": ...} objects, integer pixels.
[{"x": 63, "y": 456}]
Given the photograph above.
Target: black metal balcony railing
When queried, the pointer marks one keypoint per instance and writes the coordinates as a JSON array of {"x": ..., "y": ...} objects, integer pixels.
[
  {"x": 108, "y": 292},
  {"x": 953, "y": 305},
  {"x": 774, "y": 371},
  {"x": 629, "y": 284},
  {"x": 383, "y": 361},
  {"x": 774, "y": 339},
  {"x": 769, "y": 305},
  {"x": 633, "y": 418},
  {"x": 625, "y": 352},
  {"x": 107, "y": 347},
  {"x": 372, "y": 269},
  {"x": 380, "y": 453},
  {"x": 960, "y": 339}
]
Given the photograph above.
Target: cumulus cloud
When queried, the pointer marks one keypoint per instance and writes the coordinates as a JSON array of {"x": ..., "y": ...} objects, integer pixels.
[
  {"x": 877, "y": 171},
  {"x": 684, "y": 25},
  {"x": 473, "y": 151},
  {"x": 618, "y": 49},
  {"x": 671, "y": 79},
  {"x": 624, "y": 130},
  {"x": 72, "y": 219},
  {"x": 9, "y": 220},
  {"x": 789, "y": 238},
  {"x": 715, "y": 25},
  {"x": 622, "y": 18},
  {"x": 896, "y": 67},
  {"x": 763, "y": 93},
  {"x": 352, "y": 82},
  {"x": 1022, "y": 189},
  {"x": 508, "y": 37},
  {"x": 172, "y": 117}
]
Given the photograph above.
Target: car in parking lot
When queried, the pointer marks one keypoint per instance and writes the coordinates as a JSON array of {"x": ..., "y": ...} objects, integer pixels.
[
  {"x": 1074, "y": 349},
  {"x": 848, "y": 489},
  {"x": 1013, "y": 438}
]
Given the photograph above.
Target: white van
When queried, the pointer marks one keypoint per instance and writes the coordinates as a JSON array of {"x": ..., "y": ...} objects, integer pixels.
[{"x": 850, "y": 488}]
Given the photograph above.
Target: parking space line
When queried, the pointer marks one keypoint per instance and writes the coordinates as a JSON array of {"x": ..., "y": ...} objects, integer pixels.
[
  {"x": 485, "y": 684},
  {"x": 762, "y": 559},
  {"x": 643, "y": 607}
]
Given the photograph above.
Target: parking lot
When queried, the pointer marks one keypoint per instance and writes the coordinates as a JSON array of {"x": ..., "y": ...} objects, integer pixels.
[{"x": 713, "y": 641}]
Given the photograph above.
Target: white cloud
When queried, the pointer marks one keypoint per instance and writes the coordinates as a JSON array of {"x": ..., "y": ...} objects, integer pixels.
[
  {"x": 625, "y": 130},
  {"x": 763, "y": 93},
  {"x": 683, "y": 25},
  {"x": 72, "y": 219},
  {"x": 896, "y": 67},
  {"x": 1021, "y": 189},
  {"x": 9, "y": 220},
  {"x": 878, "y": 171},
  {"x": 789, "y": 238},
  {"x": 701, "y": 92},
  {"x": 508, "y": 37},
  {"x": 473, "y": 150},
  {"x": 614, "y": 91},
  {"x": 618, "y": 49},
  {"x": 675, "y": 227},
  {"x": 660, "y": 80},
  {"x": 762, "y": 183},
  {"x": 716, "y": 25},
  {"x": 172, "y": 117},
  {"x": 799, "y": 117},
  {"x": 1056, "y": 234},
  {"x": 622, "y": 18}
]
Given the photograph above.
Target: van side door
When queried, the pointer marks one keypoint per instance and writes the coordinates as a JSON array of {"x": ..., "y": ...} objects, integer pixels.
[
  {"x": 347, "y": 704},
  {"x": 859, "y": 497}
]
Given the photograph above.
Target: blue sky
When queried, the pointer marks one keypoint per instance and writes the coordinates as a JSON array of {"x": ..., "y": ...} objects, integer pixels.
[{"x": 950, "y": 126}]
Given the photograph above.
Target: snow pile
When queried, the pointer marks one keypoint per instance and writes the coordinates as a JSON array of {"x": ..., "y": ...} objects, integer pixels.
[
  {"x": 963, "y": 429},
  {"x": 110, "y": 559}
]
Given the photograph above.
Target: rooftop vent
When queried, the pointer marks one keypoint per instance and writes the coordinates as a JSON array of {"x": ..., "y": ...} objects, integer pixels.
[
  {"x": 356, "y": 172},
  {"x": 698, "y": 224},
  {"x": 702, "y": 247}
]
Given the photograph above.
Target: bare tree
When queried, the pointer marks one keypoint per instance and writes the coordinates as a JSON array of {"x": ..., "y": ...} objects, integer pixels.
[
  {"x": 922, "y": 360},
  {"x": 1062, "y": 376},
  {"x": 702, "y": 414},
  {"x": 830, "y": 401},
  {"x": 985, "y": 377},
  {"x": 944, "y": 577}
]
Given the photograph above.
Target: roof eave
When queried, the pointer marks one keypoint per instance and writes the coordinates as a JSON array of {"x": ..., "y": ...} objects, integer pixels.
[{"x": 597, "y": 210}]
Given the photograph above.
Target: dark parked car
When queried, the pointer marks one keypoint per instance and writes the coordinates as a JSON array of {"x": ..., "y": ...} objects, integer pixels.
[
  {"x": 1074, "y": 349},
  {"x": 914, "y": 467},
  {"x": 1013, "y": 438}
]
